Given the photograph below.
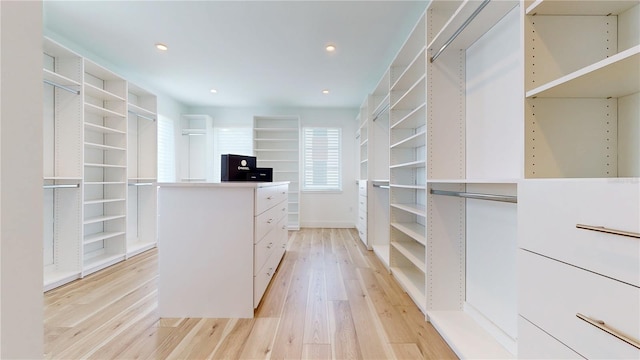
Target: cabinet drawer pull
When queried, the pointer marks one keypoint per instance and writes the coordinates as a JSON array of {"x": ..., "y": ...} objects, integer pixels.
[
  {"x": 269, "y": 272},
  {"x": 611, "y": 331},
  {"x": 269, "y": 221},
  {"x": 609, "y": 231},
  {"x": 269, "y": 197},
  {"x": 269, "y": 246}
]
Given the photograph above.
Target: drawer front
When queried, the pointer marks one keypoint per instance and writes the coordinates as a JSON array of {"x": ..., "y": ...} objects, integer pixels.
[
  {"x": 264, "y": 275},
  {"x": 266, "y": 221},
  {"x": 548, "y": 212},
  {"x": 534, "y": 343},
  {"x": 269, "y": 196},
  {"x": 362, "y": 202},
  {"x": 283, "y": 210},
  {"x": 283, "y": 233},
  {"x": 362, "y": 187},
  {"x": 552, "y": 293},
  {"x": 264, "y": 249}
]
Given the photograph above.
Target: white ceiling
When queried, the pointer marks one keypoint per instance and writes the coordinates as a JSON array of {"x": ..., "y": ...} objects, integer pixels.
[{"x": 255, "y": 53}]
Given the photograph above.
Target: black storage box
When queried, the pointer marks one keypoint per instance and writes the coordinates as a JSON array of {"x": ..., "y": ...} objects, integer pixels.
[
  {"x": 236, "y": 167},
  {"x": 261, "y": 174}
]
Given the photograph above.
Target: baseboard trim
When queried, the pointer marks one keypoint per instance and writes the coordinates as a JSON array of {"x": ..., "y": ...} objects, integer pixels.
[{"x": 328, "y": 224}]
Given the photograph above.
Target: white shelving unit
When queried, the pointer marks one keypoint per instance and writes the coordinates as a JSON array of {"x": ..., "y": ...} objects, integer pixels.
[
  {"x": 90, "y": 154},
  {"x": 277, "y": 146},
  {"x": 378, "y": 204},
  {"x": 62, "y": 142},
  {"x": 582, "y": 101},
  {"x": 582, "y": 170},
  {"x": 197, "y": 145},
  {"x": 105, "y": 168},
  {"x": 142, "y": 134},
  {"x": 474, "y": 146},
  {"x": 362, "y": 223},
  {"x": 407, "y": 165},
  {"x": 364, "y": 140}
]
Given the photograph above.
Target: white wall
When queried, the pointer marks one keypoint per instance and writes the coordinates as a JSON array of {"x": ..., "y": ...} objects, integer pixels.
[
  {"x": 21, "y": 194},
  {"x": 316, "y": 209}
]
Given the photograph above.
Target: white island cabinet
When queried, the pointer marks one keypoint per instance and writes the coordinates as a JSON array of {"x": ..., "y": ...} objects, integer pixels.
[{"x": 220, "y": 245}]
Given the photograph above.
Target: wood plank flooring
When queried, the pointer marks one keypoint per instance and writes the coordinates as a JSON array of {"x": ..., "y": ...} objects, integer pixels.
[{"x": 329, "y": 299}]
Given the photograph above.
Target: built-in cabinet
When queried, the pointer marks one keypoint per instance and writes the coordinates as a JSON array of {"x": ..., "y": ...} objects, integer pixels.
[
  {"x": 197, "y": 148},
  {"x": 579, "y": 205},
  {"x": 277, "y": 145},
  {"x": 407, "y": 140},
  {"x": 221, "y": 246},
  {"x": 94, "y": 146},
  {"x": 142, "y": 160},
  {"x": 63, "y": 160},
  {"x": 373, "y": 199},
  {"x": 514, "y": 163}
]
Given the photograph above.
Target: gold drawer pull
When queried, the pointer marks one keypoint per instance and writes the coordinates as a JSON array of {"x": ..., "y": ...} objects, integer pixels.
[
  {"x": 611, "y": 331},
  {"x": 608, "y": 231}
]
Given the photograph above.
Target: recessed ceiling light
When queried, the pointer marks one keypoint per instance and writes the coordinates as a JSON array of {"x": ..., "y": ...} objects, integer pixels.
[
  {"x": 214, "y": 91},
  {"x": 161, "y": 46},
  {"x": 325, "y": 91},
  {"x": 330, "y": 48}
]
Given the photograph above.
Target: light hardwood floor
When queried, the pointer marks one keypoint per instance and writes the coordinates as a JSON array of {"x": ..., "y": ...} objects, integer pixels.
[{"x": 330, "y": 299}]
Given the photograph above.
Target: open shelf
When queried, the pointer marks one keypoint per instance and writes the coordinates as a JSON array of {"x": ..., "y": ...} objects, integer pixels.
[
  {"x": 411, "y": 164},
  {"x": 101, "y": 261},
  {"x": 97, "y": 219},
  {"x": 103, "y": 147},
  {"x": 58, "y": 78},
  {"x": 102, "y": 129},
  {"x": 413, "y": 282},
  {"x": 417, "y": 140},
  {"x": 413, "y": 251},
  {"x": 88, "y": 239},
  {"x": 591, "y": 7},
  {"x": 413, "y": 230},
  {"x": 615, "y": 76},
  {"x": 101, "y": 94},
  {"x": 413, "y": 119},
  {"x": 416, "y": 209},
  {"x": 100, "y": 111},
  {"x": 466, "y": 337}
]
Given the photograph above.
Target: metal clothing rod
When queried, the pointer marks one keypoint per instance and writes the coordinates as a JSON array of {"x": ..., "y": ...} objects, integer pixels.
[
  {"x": 490, "y": 197},
  {"x": 377, "y": 115},
  {"x": 77, "y": 92},
  {"x": 608, "y": 230},
  {"x": 140, "y": 184},
  {"x": 381, "y": 186},
  {"x": 142, "y": 116},
  {"x": 460, "y": 29},
  {"x": 67, "y": 186}
]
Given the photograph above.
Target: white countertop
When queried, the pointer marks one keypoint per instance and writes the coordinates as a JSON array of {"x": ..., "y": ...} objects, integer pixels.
[{"x": 229, "y": 184}]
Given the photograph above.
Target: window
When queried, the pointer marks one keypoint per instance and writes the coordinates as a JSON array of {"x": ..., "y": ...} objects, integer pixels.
[
  {"x": 230, "y": 140},
  {"x": 166, "y": 150},
  {"x": 322, "y": 155}
]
